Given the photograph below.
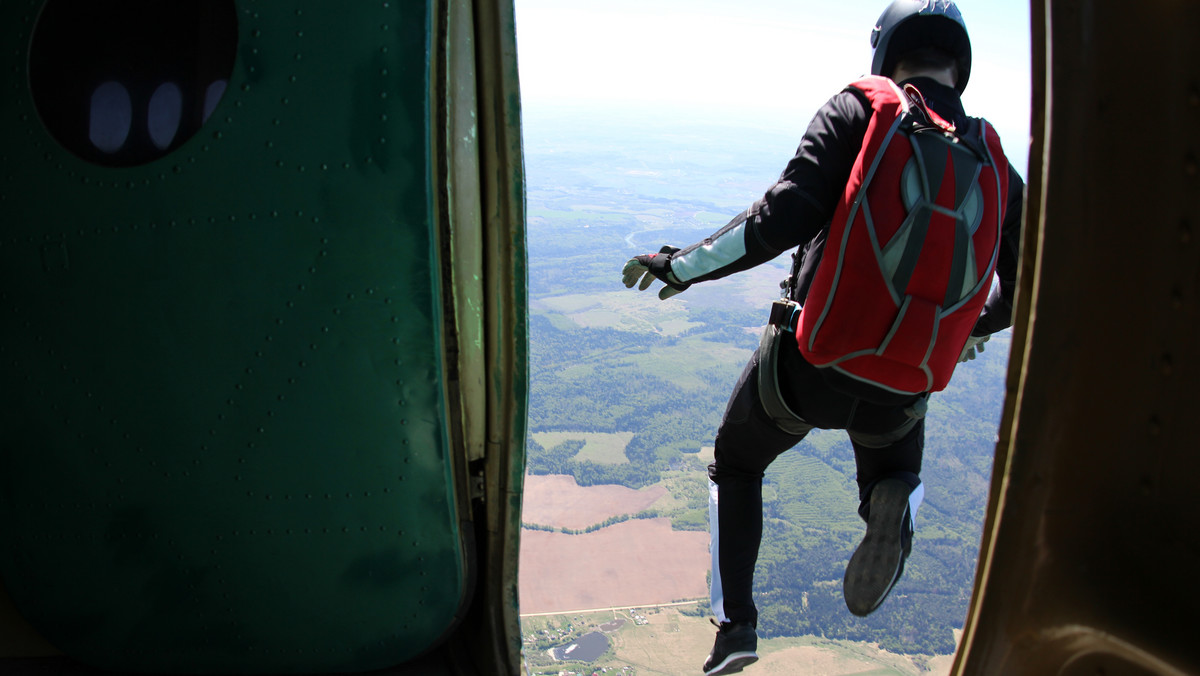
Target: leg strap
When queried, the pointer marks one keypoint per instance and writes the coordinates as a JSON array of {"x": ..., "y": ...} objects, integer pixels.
[{"x": 768, "y": 383}]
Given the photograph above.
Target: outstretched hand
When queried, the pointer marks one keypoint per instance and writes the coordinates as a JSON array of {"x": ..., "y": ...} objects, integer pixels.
[
  {"x": 973, "y": 347},
  {"x": 649, "y": 267}
]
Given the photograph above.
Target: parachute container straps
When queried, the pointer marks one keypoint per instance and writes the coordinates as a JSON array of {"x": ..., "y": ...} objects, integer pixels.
[
  {"x": 788, "y": 285},
  {"x": 917, "y": 101},
  {"x": 964, "y": 274},
  {"x": 930, "y": 155}
]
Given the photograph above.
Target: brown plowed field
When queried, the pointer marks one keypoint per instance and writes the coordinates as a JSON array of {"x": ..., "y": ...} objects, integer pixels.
[
  {"x": 636, "y": 562},
  {"x": 556, "y": 500}
]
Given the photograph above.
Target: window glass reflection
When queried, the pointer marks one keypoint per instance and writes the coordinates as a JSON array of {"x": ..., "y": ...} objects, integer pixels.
[
  {"x": 212, "y": 96},
  {"x": 110, "y": 117},
  {"x": 163, "y": 114}
]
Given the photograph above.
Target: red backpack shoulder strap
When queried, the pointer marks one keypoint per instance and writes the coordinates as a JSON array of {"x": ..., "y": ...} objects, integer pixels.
[{"x": 880, "y": 91}]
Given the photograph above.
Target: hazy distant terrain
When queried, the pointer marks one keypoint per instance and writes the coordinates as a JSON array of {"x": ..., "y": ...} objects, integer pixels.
[{"x": 613, "y": 368}]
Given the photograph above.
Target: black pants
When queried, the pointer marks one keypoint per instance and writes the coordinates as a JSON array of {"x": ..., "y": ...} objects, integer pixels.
[{"x": 748, "y": 441}]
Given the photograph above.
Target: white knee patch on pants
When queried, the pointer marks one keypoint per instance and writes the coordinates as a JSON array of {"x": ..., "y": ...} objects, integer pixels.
[
  {"x": 716, "y": 593},
  {"x": 914, "y": 501}
]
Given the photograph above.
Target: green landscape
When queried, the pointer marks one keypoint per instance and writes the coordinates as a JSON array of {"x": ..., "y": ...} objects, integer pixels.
[{"x": 629, "y": 390}]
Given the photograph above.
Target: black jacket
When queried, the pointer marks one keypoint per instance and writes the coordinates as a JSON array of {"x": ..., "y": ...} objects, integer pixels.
[{"x": 796, "y": 211}]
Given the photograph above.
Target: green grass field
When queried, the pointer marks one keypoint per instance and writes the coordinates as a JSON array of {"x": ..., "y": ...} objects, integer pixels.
[
  {"x": 600, "y": 448},
  {"x": 811, "y": 494}
]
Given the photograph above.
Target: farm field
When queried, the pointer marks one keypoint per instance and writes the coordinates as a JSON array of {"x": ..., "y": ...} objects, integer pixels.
[
  {"x": 556, "y": 500},
  {"x": 637, "y": 562},
  {"x": 673, "y": 641},
  {"x": 599, "y": 447}
]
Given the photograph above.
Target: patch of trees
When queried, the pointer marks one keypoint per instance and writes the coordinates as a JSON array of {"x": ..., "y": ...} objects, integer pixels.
[
  {"x": 798, "y": 591},
  {"x": 691, "y": 520},
  {"x": 561, "y": 460},
  {"x": 610, "y": 521}
]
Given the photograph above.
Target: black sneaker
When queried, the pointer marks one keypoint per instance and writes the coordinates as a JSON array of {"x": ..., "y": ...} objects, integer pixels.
[
  {"x": 879, "y": 559},
  {"x": 734, "y": 649}
]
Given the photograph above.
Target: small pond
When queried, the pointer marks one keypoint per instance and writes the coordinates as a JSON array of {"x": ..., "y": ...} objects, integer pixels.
[{"x": 586, "y": 648}]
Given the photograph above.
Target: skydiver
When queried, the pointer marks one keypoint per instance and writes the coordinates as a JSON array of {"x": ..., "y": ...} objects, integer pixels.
[{"x": 923, "y": 43}]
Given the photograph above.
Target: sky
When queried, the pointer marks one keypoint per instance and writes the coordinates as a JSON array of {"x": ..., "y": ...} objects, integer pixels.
[{"x": 768, "y": 62}]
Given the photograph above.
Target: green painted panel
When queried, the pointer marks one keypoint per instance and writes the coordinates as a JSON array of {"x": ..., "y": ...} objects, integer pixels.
[{"x": 225, "y": 447}]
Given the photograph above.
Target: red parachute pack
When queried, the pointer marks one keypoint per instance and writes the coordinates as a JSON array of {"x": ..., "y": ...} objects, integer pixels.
[{"x": 912, "y": 247}]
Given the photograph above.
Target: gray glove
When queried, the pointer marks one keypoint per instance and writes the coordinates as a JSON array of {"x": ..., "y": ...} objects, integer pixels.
[
  {"x": 973, "y": 347},
  {"x": 649, "y": 267}
]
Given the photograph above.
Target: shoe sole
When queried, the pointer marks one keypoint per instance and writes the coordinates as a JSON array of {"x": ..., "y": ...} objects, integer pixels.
[
  {"x": 875, "y": 565},
  {"x": 733, "y": 664}
]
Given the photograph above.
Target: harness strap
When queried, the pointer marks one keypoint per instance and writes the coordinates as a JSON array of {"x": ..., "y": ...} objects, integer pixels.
[{"x": 768, "y": 384}]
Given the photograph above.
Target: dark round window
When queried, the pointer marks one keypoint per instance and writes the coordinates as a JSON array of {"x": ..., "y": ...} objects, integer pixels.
[{"x": 125, "y": 82}]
